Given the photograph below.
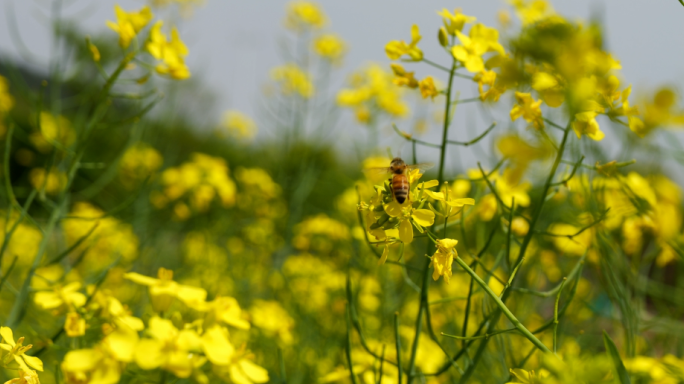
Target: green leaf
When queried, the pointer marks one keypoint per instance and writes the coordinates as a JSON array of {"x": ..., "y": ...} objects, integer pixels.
[{"x": 617, "y": 361}]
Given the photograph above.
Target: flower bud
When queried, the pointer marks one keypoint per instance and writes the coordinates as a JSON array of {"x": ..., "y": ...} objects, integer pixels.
[{"x": 443, "y": 38}]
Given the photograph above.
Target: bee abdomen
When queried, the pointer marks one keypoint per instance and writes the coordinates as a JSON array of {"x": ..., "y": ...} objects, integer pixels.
[{"x": 400, "y": 187}]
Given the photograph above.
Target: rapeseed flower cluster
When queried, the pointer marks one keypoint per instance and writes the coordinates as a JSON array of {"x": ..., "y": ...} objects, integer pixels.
[
  {"x": 139, "y": 163},
  {"x": 373, "y": 94},
  {"x": 193, "y": 186},
  {"x": 170, "y": 52},
  {"x": 239, "y": 125},
  {"x": 289, "y": 266}
]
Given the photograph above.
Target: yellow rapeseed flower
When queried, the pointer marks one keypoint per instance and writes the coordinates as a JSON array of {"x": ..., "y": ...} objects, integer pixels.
[
  {"x": 427, "y": 88},
  {"x": 531, "y": 11},
  {"x": 239, "y": 125},
  {"x": 128, "y": 24},
  {"x": 480, "y": 40},
  {"x": 92, "y": 365},
  {"x": 443, "y": 258},
  {"x": 110, "y": 237},
  {"x": 55, "y": 183},
  {"x": 163, "y": 290},
  {"x": 403, "y": 78},
  {"x": 224, "y": 310},
  {"x": 201, "y": 180},
  {"x": 25, "y": 377},
  {"x": 171, "y": 53},
  {"x": 302, "y": 15},
  {"x": 406, "y": 215},
  {"x": 138, "y": 163},
  {"x": 273, "y": 319},
  {"x": 168, "y": 348},
  {"x": 396, "y": 48},
  {"x": 373, "y": 90},
  {"x": 585, "y": 124},
  {"x": 330, "y": 47},
  {"x": 293, "y": 79},
  {"x": 67, "y": 295},
  {"x": 529, "y": 110},
  {"x": 54, "y": 131},
  {"x": 15, "y": 356},
  {"x": 74, "y": 325},
  {"x": 455, "y": 22}
]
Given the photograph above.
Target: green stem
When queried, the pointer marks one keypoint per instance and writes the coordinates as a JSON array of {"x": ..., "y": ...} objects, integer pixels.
[
  {"x": 485, "y": 336},
  {"x": 349, "y": 346},
  {"x": 555, "y": 316},
  {"x": 398, "y": 345},
  {"x": 502, "y": 307},
  {"x": 430, "y": 246},
  {"x": 521, "y": 254}
]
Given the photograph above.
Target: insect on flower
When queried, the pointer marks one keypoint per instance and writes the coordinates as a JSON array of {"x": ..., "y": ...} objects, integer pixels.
[{"x": 400, "y": 181}]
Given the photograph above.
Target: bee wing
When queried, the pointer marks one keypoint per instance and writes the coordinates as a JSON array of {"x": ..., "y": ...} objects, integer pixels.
[
  {"x": 376, "y": 171},
  {"x": 421, "y": 166}
]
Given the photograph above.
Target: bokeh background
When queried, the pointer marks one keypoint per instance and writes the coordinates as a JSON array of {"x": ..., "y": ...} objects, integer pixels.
[{"x": 262, "y": 235}]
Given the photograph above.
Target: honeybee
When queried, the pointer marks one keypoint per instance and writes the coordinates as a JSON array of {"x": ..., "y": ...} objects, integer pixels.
[{"x": 400, "y": 182}]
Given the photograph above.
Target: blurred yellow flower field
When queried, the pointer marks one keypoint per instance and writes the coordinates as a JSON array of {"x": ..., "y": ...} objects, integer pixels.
[{"x": 138, "y": 248}]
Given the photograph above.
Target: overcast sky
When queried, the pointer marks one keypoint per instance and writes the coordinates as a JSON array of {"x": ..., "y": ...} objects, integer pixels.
[{"x": 233, "y": 44}]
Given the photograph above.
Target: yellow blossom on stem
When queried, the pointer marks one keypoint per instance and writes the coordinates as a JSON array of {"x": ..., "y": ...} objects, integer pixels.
[
  {"x": 549, "y": 89},
  {"x": 293, "y": 79},
  {"x": 239, "y": 125},
  {"x": 403, "y": 78},
  {"x": 75, "y": 325},
  {"x": 531, "y": 11},
  {"x": 241, "y": 369},
  {"x": 302, "y": 15},
  {"x": 128, "y": 24},
  {"x": 273, "y": 320},
  {"x": 396, "y": 49},
  {"x": 168, "y": 348},
  {"x": 480, "y": 40},
  {"x": 455, "y": 22},
  {"x": 443, "y": 258},
  {"x": 407, "y": 214},
  {"x": 330, "y": 47},
  {"x": 427, "y": 88},
  {"x": 25, "y": 377},
  {"x": 55, "y": 183},
  {"x": 90, "y": 366},
  {"x": 585, "y": 124},
  {"x": 484, "y": 79},
  {"x": 225, "y": 310},
  {"x": 164, "y": 290},
  {"x": 67, "y": 295},
  {"x": 529, "y": 110},
  {"x": 171, "y": 53},
  {"x": 16, "y": 352}
]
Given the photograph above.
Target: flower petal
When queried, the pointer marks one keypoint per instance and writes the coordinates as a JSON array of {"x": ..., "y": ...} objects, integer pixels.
[
  {"x": 423, "y": 217},
  {"x": 406, "y": 231},
  {"x": 461, "y": 202}
]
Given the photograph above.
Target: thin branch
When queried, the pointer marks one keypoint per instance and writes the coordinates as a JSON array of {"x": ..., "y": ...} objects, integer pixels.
[
  {"x": 485, "y": 336},
  {"x": 554, "y": 290},
  {"x": 475, "y": 140},
  {"x": 555, "y": 316},
  {"x": 426, "y": 61},
  {"x": 411, "y": 139},
  {"x": 572, "y": 174},
  {"x": 571, "y": 236},
  {"x": 349, "y": 346},
  {"x": 518, "y": 325}
]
